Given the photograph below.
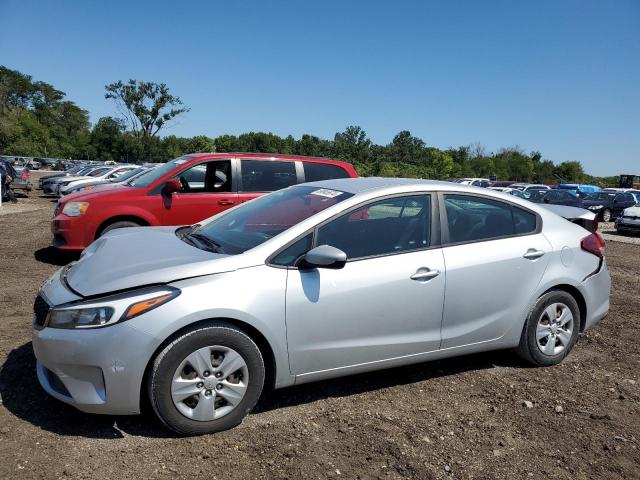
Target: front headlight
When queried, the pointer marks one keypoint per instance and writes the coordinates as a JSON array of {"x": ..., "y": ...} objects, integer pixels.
[
  {"x": 80, "y": 317},
  {"x": 112, "y": 309},
  {"x": 75, "y": 209}
]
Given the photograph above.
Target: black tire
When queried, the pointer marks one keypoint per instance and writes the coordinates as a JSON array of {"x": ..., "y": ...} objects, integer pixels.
[
  {"x": 168, "y": 360},
  {"x": 528, "y": 348},
  {"x": 606, "y": 215},
  {"x": 121, "y": 224}
]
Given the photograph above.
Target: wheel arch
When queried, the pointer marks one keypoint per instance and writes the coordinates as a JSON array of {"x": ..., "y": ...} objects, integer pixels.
[
  {"x": 579, "y": 298},
  {"x": 121, "y": 218},
  {"x": 260, "y": 340}
]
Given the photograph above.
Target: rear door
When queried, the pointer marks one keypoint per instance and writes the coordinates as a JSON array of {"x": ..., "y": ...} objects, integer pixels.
[
  {"x": 207, "y": 189},
  {"x": 260, "y": 176},
  {"x": 495, "y": 255}
]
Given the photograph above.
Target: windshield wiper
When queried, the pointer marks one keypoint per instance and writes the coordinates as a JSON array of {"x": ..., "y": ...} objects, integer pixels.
[{"x": 211, "y": 244}]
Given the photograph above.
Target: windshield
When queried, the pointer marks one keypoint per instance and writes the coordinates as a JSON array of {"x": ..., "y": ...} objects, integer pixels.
[
  {"x": 85, "y": 170},
  {"x": 262, "y": 219},
  {"x": 151, "y": 176},
  {"x": 127, "y": 175},
  {"x": 75, "y": 169},
  {"x": 594, "y": 196},
  {"x": 99, "y": 171}
]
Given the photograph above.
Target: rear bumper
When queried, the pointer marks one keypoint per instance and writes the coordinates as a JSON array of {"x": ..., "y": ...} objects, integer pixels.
[
  {"x": 628, "y": 224},
  {"x": 596, "y": 289}
]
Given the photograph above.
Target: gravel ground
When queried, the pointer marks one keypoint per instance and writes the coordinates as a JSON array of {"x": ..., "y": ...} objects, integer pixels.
[{"x": 483, "y": 416}]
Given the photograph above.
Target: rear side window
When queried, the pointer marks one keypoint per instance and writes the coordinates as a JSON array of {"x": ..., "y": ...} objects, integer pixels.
[
  {"x": 523, "y": 221},
  {"x": 473, "y": 219},
  {"x": 267, "y": 175},
  {"x": 314, "y": 172},
  {"x": 388, "y": 226}
]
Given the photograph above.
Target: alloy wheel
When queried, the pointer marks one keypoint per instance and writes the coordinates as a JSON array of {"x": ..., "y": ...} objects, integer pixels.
[
  {"x": 554, "y": 329},
  {"x": 209, "y": 383}
]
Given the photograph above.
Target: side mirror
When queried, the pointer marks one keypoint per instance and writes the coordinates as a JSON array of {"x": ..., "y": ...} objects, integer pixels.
[
  {"x": 546, "y": 200},
  {"x": 171, "y": 186},
  {"x": 324, "y": 256}
]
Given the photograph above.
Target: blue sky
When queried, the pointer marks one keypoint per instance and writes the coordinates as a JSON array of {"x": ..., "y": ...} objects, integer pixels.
[{"x": 561, "y": 77}]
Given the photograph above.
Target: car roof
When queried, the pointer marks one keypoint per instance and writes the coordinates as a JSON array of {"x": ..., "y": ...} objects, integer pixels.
[
  {"x": 279, "y": 156},
  {"x": 369, "y": 184}
]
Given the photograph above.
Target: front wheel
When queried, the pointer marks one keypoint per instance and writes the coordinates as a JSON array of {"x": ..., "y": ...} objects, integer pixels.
[
  {"x": 120, "y": 224},
  {"x": 551, "y": 329},
  {"x": 206, "y": 380}
]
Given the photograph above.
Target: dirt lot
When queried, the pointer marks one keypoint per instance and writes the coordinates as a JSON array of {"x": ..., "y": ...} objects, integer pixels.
[{"x": 461, "y": 418}]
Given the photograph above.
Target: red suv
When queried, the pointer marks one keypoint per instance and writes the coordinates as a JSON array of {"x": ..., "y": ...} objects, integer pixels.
[{"x": 183, "y": 192}]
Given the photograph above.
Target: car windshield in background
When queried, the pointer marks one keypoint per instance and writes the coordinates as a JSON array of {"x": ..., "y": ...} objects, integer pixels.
[
  {"x": 261, "y": 219},
  {"x": 99, "y": 171},
  {"x": 151, "y": 176},
  {"x": 126, "y": 175}
]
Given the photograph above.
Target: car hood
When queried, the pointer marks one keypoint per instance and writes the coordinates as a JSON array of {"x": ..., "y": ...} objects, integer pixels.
[
  {"x": 66, "y": 179},
  {"x": 632, "y": 211},
  {"x": 134, "y": 257}
]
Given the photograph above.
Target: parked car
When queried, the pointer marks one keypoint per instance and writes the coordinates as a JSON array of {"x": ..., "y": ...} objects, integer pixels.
[
  {"x": 84, "y": 185},
  {"x": 110, "y": 174},
  {"x": 554, "y": 197},
  {"x": 70, "y": 171},
  {"x": 52, "y": 186},
  {"x": 525, "y": 187},
  {"x": 502, "y": 183},
  {"x": 579, "y": 190},
  {"x": 476, "y": 182},
  {"x": 609, "y": 205},
  {"x": 22, "y": 181},
  {"x": 629, "y": 221},
  {"x": 184, "y": 191},
  {"x": 314, "y": 281}
]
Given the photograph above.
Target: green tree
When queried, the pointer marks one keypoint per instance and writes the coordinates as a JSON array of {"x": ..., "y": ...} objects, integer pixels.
[{"x": 146, "y": 106}]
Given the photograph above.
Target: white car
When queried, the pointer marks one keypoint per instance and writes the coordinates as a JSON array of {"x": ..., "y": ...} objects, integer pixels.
[
  {"x": 106, "y": 175},
  {"x": 476, "y": 182},
  {"x": 525, "y": 187},
  {"x": 629, "y": 221}
]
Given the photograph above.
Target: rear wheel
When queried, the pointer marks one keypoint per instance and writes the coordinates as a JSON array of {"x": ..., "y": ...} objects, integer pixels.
[
  {"x": 207, "y": 380},
  {"x": 120, "y": 224},
  {"x": 606, "y": 215},
  {"x": 551, "y": 330}
]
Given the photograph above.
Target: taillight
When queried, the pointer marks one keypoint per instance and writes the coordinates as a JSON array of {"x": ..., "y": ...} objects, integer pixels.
[
  {"x": 594, "y": 243},
  {"x": 25, "y": 175}
]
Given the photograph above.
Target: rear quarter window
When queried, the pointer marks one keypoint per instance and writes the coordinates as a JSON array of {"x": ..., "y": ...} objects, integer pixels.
[{"x": 314, "y": 172}]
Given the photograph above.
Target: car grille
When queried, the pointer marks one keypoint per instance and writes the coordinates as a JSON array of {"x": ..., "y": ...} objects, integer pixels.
[{"x": 40, "y": 310}]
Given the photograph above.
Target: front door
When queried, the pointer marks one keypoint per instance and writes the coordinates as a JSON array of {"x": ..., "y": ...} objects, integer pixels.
[
  {"x": 384, "y": 304},
  {"x": 207, "y": 189}
]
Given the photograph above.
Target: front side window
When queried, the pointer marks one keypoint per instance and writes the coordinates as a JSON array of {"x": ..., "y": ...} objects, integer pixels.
[
  {"x": 267, "y": 175},
  {"x": 384, "y": 227},
  {"x": 290, "y": 255},
  {"x": 255, "y": 222},
  {"x": 314, "y": 172},
  {"x": 471, "y": 218},
  {"x": 209, "y": 177},
  {"x": 154, "y": 174}
]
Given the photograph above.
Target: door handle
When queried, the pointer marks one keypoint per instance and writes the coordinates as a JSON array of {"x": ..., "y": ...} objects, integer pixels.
[
  {"x": 226, "y": 202},
  {"x": 424, "y": 275},
  {"x": 533, "y": 254}
]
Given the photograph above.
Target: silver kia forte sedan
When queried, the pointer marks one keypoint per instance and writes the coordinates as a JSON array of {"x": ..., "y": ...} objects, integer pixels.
[{"x": 316, "y": 281}]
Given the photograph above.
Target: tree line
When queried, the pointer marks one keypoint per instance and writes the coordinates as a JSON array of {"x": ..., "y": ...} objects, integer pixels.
[{"x": 36, "y": 120}]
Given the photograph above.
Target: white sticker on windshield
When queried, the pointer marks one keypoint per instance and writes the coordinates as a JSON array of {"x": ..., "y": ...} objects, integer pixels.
[
  {"x": 325, "y": 192},
  {"x": 179, "y": 162}
]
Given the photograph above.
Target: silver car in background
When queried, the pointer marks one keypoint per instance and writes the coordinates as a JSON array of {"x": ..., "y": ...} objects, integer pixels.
[{"x": 315, "y": 281}]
